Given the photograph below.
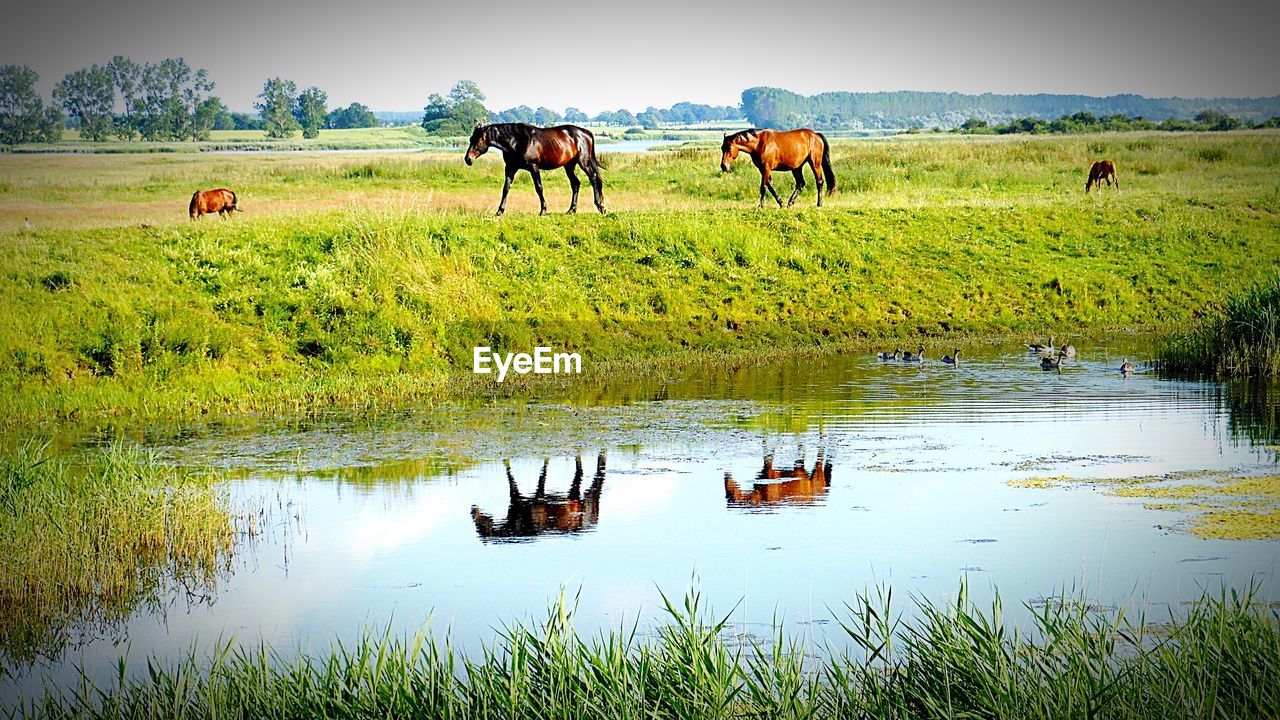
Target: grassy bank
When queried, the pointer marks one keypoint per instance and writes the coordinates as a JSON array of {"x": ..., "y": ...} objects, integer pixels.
[
  {"x": 1239, "y": 338},
  {"x": 1218, "y": 658},
  {"x": 85, "y": 543},
  {"x": 365, "y": 283}
]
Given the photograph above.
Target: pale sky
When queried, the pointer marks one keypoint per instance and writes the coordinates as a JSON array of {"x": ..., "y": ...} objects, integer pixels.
[{"x": 390, "y": 55}]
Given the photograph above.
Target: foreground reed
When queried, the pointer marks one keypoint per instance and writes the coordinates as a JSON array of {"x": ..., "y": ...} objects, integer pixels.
[
  {"x": 1218, "y": 658},
  {"x": 1239, "y": 339},
  {"x": 85, "y": 543}
]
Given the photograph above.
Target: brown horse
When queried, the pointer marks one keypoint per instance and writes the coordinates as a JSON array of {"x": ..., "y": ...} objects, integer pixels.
[
  {"x": 791, "y": 150},
  {"x": 1101, "y": 170},
  {"x": 796, "y": 486},
  {"x": 528, "y": 517},
  {"x": 207, "y": 202},
  {"x": 525, "y": 147}
]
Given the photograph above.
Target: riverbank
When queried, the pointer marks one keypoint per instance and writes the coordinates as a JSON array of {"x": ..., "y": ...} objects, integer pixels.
[{"x": 360, "y": 284}]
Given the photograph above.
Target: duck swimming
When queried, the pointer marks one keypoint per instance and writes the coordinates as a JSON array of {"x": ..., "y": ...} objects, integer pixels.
[
  {"x": 914, "y": 357},
  {"x": 1126, "y": 367},
  {"x": 952, "y": 359},
  {"x": 1037, "y": 347},
  {"x": 1050, "y": 362},
  {"x": 897, "y": 353}
]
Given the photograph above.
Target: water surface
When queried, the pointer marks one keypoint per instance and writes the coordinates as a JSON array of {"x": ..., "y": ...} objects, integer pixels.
[{"x": 781, "y": 489}]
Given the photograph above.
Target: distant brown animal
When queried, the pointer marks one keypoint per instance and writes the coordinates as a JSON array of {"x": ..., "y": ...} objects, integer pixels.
[
  {"x": 1101, "y": 170},
  {"x": 207, "y": 202},
  {"x": 528, "y": 517},
  {"x": 774, "y": 150},
  {"x": 796, "y": 486}
]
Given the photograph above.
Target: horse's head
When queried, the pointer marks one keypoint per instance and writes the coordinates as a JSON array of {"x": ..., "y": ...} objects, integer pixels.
[
  {"x": 744, "y": 140},
  {"x": 479, "y": 143}
]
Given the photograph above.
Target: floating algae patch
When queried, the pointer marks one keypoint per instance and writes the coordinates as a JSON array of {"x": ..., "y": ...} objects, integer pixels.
[{"x": 1220, "y": 505}]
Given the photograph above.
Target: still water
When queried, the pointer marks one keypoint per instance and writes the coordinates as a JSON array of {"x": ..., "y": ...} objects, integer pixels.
[{"x": 781, "y": 489}]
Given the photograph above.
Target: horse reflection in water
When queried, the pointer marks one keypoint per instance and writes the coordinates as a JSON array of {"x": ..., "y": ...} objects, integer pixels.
[
  {"x": 776, "y": 487},
  {"x": 529, "y": 517}
]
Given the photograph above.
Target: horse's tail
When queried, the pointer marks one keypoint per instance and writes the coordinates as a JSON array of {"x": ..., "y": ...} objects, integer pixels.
[
  {"x": 828, "y": 174},
  {"x": 588, "y": 149}
]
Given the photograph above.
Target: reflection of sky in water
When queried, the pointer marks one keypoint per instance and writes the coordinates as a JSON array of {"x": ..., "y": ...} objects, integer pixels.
[{"x": 918, "y": 497}]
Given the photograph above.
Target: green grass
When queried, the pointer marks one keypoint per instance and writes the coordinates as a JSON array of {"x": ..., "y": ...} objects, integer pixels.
[
  {"x": 1216, "y": 658},
  {"x": 365, "y": 282},
  {"x": 380, "y": 138},
  {"x": 86, "y": 543},
  {"x": 1239, "y": 338}
]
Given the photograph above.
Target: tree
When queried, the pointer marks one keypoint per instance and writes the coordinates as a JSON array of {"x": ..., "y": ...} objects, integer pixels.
[
  {"x": 310, "y": 111},
  {"x": 574, "y": 115},
  {"x": 125, "y": 77},
  {"x": 89, "y": 98},
  {"x": 23, "y": 116},
  {"x": 354, "y": 115},
  {"x": 170, "y": 96},
  {"x": 276, "y": 103},
  {"x": 458, "y": 113},
  {"x": 545, "y": 116}
]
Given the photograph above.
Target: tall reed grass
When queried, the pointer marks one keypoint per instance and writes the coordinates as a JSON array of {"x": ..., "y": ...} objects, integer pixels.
[
  {"x": 85, "y": 543},
  {"x": 1218, "y": 658},
  {"x": 1240, "y": 338}
]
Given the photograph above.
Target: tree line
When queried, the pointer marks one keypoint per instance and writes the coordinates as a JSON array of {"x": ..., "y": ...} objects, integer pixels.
[
  {"x": 1084, "y": 122},
  {"x": 774, "y": 107},
  {"x": 165, "y": 101},
  {"x": 457, "y": 113}
]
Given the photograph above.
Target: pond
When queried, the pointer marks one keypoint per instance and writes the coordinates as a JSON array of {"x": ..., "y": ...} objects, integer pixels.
[{"x": 779, "y": 490}]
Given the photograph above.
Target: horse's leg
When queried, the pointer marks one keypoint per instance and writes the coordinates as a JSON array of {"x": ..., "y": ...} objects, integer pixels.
[
  {"x": 597, "y": 183},
  {"x": 1113, "y": 177},
  {"x": 768, "y": 183},
  {"x": 763, "y": 188},
  {"x": 537, "y": 185},
  {"x": 506, "y": 188},
  {"x": 817, "y": 176},
  {"x": 799, "y": 176},
  {"x": 574, "y": 184}
]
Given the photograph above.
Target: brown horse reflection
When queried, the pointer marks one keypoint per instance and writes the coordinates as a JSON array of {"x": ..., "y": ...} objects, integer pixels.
[
  {"x": 795, "y": 486},
  {"x": 528, "y": 517}
]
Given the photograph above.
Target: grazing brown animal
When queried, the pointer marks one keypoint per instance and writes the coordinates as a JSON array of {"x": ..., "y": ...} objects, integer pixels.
[
  {"x": 525, "y": 147},
  {"x": 774, "y": 150},
  {"x": 528, "y": 517},
  {"x": 796, "y": 486},
  {"x": 1101, "y": 170},
  {"x": 207, "y": 202}
]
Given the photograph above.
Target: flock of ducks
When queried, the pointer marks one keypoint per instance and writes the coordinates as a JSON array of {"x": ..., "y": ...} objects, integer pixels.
[{"x": 1051, "y": 356}]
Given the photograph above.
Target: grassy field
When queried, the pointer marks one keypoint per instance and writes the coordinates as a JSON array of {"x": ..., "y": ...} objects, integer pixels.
[
  {"x": 364, "y": 281},
  {"x": 1217, "y": 658},
  {"x": 380, "y": 138}
]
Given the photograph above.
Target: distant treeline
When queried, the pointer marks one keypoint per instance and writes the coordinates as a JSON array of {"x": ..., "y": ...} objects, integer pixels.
[
  {"x": 165, "y": 101},
  {"x": 1083, "y": 122},
  {"x": 459, "y": 111},
  {"x": 773, "y": 107}
]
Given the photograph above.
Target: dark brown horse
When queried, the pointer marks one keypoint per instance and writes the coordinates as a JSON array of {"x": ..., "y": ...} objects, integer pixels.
[
  {"x": 525, "y": 147},
  {"x": 796, "y": 486},
  {"x": 1101, "y": 170},
  {"x": 528, "y": 517},
  {"x": 791, "y": 150}
]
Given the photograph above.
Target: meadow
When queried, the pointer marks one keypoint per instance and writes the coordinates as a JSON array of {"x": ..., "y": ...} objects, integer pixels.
[{"x": 363, "y": 281}]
